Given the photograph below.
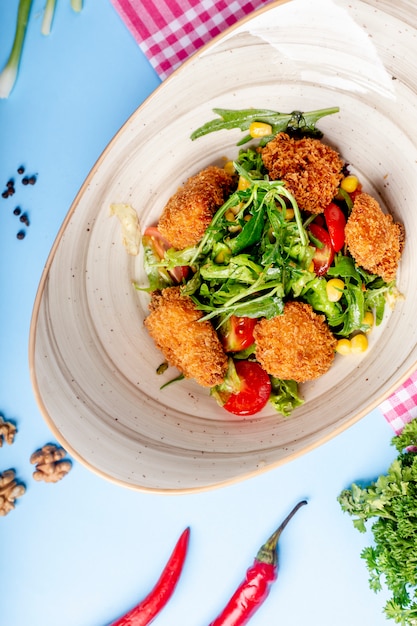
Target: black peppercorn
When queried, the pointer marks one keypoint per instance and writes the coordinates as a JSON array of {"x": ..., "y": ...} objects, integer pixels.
[
  {"x": 21, "y": 234},
  {"x": 17, "y": 211}
]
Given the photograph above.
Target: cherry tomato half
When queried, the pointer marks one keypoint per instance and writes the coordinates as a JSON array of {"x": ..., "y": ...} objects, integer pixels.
[
  {"x": 160, "y": 246},
  {"x": 255, "y": 390},
  {"x": 335, "y": 222},
  {"x": 236, "y": 333},
  {"x": 323, "y": 255}
]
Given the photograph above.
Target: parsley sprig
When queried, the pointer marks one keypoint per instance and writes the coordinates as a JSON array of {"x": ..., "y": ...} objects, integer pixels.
[{"x": 391, "y": 503}]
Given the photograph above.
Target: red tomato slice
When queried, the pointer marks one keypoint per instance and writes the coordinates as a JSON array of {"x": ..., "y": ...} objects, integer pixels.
[
  {"x": 160, "y": 246},
  {"x": 236, "y": 333},
  {"x": 335, "y": 222},
  {"x": 323, "y": 256},
  {"x": 255, "y": 390}
]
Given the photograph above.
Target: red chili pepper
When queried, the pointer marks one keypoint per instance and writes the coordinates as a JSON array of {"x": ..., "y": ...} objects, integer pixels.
[
  {"x": 255, "y": 588},
  {"x": 145, "y": 612}
]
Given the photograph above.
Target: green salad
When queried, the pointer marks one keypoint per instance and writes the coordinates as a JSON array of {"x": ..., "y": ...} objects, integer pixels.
[{"x": 262, "y": 249}]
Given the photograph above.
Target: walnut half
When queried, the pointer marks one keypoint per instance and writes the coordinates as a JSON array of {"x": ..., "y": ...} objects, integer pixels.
[
  {"x": 7, "y": 431},
  {"x": 50, "y": 463},
  {"x": 10, "y": 490}
]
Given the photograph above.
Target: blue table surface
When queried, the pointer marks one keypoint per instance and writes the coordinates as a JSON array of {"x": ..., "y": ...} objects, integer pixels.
[{"x": 83, "y": 551}]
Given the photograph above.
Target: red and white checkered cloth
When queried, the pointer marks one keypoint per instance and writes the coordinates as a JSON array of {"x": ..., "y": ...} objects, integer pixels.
[
  {"x": 168, "y": 32},
  {"x": 401, "y": 406}
]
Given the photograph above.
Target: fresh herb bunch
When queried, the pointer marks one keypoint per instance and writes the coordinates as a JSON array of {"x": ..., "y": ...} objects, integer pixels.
[{"x": 392, "y": 502}]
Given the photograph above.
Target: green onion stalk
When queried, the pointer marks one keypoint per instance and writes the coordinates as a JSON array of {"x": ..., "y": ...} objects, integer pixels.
[
  {"x": 48, "y": 17},
  {"x": 9, "y": 73}
]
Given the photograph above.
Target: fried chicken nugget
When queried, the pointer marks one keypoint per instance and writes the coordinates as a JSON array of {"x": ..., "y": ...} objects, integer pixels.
[
  {"x": 191, "y": 346},
  {"x": 311, "y": 170},
  {"x": 189, "y": 211},
  {"x": 297, "y": 345},
  {"x": 373, "y": 238}
]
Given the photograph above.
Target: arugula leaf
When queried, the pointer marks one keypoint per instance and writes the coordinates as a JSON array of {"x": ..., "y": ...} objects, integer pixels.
[
  {"x": 295, "y": 122},
  {"x": 391, "y": 502}
]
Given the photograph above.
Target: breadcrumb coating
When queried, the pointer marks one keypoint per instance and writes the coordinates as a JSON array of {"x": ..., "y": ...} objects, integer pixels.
[
  {"x": 311, "y": 170},
  {"x": 374, "y": 240},
  {"x": 190, "y": 210},
  {"x": 297, "y": 345},
  {"x": 191, "y": 346}
]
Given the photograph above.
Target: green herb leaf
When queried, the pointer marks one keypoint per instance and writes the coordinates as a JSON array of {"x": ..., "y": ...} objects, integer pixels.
[
  {"x": 296, "y": 121},
  {"x": 391, "y": 503}
]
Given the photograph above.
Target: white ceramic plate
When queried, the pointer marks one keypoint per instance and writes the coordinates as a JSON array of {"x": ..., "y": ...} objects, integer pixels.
[{"x": 93, "y": 364}]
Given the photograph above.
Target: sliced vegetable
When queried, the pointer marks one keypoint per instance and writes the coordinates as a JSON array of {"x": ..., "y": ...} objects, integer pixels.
[
  {"x": 9, "y": 73},
  {"x": 254, "y": 392},
  {"x": 152, "y": 237},
  {"x": 324, "y": 254},
  {"x": 236, "y": 333},
  {"x": 335, "y": 222},
  {"x": 254, "y": 589},
  {"x": 145, "y": 612}
]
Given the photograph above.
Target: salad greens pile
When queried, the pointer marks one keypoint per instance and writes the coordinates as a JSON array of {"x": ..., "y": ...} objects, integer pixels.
[
  {"x": 257, "y": 252},
  {"x": 268, "y": 260},
  {"x": 391, "y": 501}
]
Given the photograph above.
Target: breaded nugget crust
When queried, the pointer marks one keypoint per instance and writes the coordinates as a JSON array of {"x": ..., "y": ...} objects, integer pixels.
[
  {"x": 191, "y": 346},
  {"x": 373, "y": 238},
  {"x": 311, "y": 170},
  {"x": 190, "y": 210},
  {"x": 297, "y": 345}
]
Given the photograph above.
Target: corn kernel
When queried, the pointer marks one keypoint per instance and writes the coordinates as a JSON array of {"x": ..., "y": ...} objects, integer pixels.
[
  {"x": 260, "y": 129},
  {"x": 343, "y": 347},
  {"x": 359, "y": 343},
  {"x": 349, "y": 184},
  {"x": 288, "y": 213},
  {"x": 334, "y": 289},
  {"x": 243, "y": 183},
  {"x": 368, "y": 319},
  {"x": 230, "y": 216},
  {"x": 248, "y": 217},
  {"x": 236, "y": 208},
  {"x": 229, "y": 168}
]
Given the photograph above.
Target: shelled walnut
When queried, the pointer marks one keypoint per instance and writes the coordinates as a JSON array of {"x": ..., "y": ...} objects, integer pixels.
[
  {"x": 7, "y": 431},
  {"x": 50, "y": 463},
  {"x": 10, "y": 490}
]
